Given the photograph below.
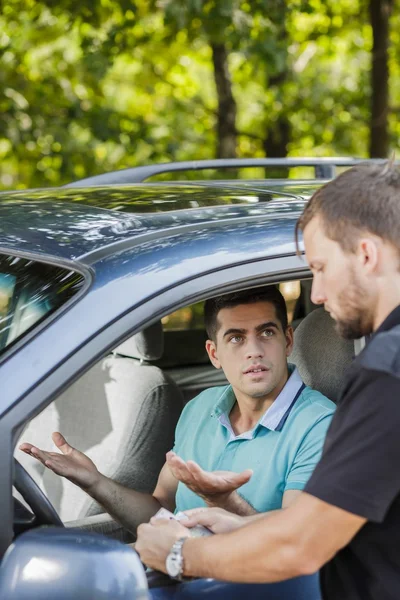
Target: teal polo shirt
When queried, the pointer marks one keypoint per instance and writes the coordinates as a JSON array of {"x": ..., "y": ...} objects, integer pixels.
[{"x": 282, "y": 449}]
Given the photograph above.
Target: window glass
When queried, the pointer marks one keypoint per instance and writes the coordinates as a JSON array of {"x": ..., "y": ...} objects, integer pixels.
[
  {"x": 29, "y": 292},
  {"x": 189, "y": 317}
]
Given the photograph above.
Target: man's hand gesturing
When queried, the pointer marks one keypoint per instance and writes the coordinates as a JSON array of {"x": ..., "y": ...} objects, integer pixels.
[
  {"x": 215, "y": 487},
  {"x": 69, "y": 463}
]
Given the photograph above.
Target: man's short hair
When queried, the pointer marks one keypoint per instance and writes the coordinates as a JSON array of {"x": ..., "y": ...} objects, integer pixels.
[
  {"x": 267, "y": 293},
  {"x": 366, "y": 198}
]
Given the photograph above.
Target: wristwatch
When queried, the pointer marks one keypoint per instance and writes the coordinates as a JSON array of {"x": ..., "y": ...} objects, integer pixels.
[{"x": 174, "y": 560}]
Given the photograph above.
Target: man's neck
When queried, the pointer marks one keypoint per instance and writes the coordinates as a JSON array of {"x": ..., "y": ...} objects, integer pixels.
[
  {"x": 388, "y": 300},
  {"x": 247, "y": 411}
]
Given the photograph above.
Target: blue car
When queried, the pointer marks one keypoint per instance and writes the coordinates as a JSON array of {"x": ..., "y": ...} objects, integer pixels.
[{"x": 101, "y": 291}]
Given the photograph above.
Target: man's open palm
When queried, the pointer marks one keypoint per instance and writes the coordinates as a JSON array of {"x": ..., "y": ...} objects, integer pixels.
[
  {"x": 207, "y": 484},
  {"x": 69, "y": 462}
]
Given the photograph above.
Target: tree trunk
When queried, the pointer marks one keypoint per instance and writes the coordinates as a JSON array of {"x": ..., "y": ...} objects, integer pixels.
[
  {"x": 275, "y": 145},
  {"x": 226, "y": 115},
  {"x": 379, "y": 11},
  {"x": 278, "y": 132},
  {"x": 277, "y": 135}
]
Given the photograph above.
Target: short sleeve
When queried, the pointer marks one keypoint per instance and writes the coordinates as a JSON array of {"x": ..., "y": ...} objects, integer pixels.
[
  {"x": 359, "y": 470},
  {"x": 308, "y": 455},
  {"x": 185, "y": 422},
  {"x": 179, "y": 429}
]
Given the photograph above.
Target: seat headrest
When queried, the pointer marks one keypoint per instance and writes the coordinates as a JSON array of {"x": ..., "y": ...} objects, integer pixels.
[
  {"x": 320, "y": 354},
  {"x": 147, "y": 345}
]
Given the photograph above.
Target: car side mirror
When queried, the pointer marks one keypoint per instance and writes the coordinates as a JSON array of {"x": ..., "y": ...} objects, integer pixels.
[{"x": 58, "y": 563}]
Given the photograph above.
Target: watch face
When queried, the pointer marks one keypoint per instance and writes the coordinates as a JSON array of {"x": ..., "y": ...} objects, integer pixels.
[{"x": 173, "y": 565}]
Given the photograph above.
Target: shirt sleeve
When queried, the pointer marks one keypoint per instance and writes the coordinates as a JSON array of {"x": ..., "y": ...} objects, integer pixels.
[
  {"x": 359, "y": 470},
  {"x": 184, "y": 425},
  {"x": 308, "y": 455},
  {"x": 178, "y": 432}
]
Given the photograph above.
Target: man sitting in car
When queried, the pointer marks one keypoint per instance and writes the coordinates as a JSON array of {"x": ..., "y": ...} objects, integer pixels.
[{"x": 263, "y": 433}]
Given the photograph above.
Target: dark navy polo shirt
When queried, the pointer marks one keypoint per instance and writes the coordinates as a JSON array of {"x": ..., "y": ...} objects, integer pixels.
[{"x": 360, "y": 472}]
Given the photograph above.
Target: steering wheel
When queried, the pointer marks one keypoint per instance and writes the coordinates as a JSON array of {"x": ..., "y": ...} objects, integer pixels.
[{"x": 41, "y": 506}]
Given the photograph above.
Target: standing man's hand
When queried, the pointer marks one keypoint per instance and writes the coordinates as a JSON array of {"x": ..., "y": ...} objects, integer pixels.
[
  {"x": 216, "y": 520},
  {"x": 155, "y": 540},
  {"x": 217, "y": 488},
  {"x": 69, "y": 462}
]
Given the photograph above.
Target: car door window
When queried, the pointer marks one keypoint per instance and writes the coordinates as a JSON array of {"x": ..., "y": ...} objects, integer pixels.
[{"x": 30, "y": 291}]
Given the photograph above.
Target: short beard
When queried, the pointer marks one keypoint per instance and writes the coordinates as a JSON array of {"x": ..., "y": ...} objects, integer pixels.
[
  {"x": 351, "y": 329},
  {"x": 358, "y": 320}
]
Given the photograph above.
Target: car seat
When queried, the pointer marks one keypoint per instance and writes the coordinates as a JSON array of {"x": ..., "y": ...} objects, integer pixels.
[
  {"x": 122, "y": 413},
  {"x": 320, "y": 354}
]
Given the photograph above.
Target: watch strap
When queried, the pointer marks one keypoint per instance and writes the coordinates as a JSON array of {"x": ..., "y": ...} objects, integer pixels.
[{"x": 175, "y": 554}]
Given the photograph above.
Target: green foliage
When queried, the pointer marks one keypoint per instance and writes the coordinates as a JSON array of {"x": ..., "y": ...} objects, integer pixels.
[{"x": 96, "y": 85}]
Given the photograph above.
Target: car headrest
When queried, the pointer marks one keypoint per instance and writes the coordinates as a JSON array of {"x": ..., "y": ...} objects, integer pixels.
[
  {"x": 147, "y": 345},
  {"x": 320, "y": 354}
]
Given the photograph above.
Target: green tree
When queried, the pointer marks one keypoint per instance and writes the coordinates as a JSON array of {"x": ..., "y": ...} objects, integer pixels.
[
  {"x": 380, "y": 11},
  {"x": 89, "y": 86},
  {"x": 256, "y": 31}
]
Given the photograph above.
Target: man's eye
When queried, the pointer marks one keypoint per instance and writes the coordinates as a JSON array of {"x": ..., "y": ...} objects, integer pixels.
[
  {"x": 236, "y": 339},
  {"x": 268, "y": 333}
]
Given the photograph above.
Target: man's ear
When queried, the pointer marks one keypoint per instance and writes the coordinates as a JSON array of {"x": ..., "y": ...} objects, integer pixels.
[
  {"x": 368, "y": 254},
  {"x": 211, "y": 348},
  {"x": 289, "y": 336}
]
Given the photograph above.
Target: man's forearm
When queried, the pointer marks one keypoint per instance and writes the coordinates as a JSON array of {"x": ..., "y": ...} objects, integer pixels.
[
  {"x": 288, "y": 499},
  {"x": 265, "y": 551},
  {"x": 233, "y": 503},
  {"x": 128, "y": 507},
  {"x": 255, "y": 517}
]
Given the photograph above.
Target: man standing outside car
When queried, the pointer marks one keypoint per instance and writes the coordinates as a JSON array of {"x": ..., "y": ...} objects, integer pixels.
[{"x": 347, "y": 520}]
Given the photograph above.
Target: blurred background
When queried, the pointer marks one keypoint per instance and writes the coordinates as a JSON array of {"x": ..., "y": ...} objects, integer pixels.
[{"x": 91, "y": 86}]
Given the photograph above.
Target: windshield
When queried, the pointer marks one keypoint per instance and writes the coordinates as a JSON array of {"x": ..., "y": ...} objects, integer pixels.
[{"x": 29, "y": 292}]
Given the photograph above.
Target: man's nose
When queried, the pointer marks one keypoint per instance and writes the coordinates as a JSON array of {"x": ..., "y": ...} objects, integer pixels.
[
  {"x": 254, "y": 348},
  {"x": 317, "y": 293}
]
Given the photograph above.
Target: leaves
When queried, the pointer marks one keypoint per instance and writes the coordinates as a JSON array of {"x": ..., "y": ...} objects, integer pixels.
[{"x": 92, "y": 86}]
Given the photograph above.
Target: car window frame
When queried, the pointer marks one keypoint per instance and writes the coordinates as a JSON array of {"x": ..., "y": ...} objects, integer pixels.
[
  {"x": 251, "y": 273},
  {"x": 88, "y": 277}
]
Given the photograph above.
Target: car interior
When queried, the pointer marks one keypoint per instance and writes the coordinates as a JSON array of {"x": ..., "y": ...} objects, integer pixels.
[{"x": 122, "y": 412}]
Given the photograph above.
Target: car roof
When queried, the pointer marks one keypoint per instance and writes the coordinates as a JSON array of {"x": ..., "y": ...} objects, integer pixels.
[{"x": 75, "y": 223}]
